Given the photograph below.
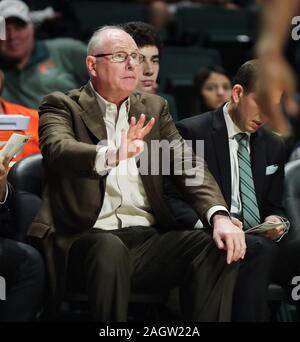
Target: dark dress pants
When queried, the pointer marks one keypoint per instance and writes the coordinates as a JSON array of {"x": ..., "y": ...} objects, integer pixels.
[
  {"x": 23, "y": 270},
  {"x": 287, "y": 266},
  {"x": 108, "y": 265},
  {"x": 251, "y": 292}
]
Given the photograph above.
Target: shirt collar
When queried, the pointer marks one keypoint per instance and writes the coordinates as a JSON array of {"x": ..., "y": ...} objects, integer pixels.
[
  {"x": 232, "y": 128},
  {"x": 106, "y": 105}
]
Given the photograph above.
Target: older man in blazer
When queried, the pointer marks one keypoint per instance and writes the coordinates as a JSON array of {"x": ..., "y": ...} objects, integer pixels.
[
  {"x": 219, "y": 130},
  {"x": 107, "y": 233}
]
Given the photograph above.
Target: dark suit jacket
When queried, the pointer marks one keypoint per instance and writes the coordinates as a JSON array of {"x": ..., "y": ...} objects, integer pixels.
[
  {"x": 71, "y": 125},
  {"x": 266, "y": 149}
]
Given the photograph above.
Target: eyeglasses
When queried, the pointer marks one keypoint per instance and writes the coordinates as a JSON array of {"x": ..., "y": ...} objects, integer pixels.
[{"x": 122, "y": 56}]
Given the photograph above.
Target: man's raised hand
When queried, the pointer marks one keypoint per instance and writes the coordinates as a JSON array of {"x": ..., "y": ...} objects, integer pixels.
[{"x": 132, "y": 141}]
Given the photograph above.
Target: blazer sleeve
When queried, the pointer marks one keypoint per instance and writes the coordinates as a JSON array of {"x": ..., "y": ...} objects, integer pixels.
[
  {"x": 183, "y": 213},
  {"x": 60, "y": 149},
  {"x": 191, "y": 175}
]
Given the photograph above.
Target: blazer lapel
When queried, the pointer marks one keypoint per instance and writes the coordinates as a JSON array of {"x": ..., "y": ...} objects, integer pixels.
[
  {"x": 138, "y": 107},
  {"x": 258, "y": 163},
  {"x": 152, "y": 184},
  {"x": 91, "y": 113},
  {"x": 221, "y": 147}
]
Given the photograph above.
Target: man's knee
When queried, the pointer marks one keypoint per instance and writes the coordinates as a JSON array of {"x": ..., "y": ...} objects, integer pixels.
[
  {"x": 32, "y": 263},
  {"x": 108, "y": 253},
  {"x": 259, "y": 247}
]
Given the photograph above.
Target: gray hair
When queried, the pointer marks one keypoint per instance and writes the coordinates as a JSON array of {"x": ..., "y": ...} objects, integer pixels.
[{"x": 96, "y": 40}]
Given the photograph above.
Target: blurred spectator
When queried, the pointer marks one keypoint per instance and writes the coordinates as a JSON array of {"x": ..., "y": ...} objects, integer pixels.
[
  {"x": 211, "y": 88},
  {"x": 10, "y": 108},
  {"x": 150, "y": 46},
  {"x": 35, "y": 68}
]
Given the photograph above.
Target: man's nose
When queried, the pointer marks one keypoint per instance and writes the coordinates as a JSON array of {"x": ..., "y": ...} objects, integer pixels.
[
  {"x": 131, "y": 62},
  {"x": 148, "y": 68}
]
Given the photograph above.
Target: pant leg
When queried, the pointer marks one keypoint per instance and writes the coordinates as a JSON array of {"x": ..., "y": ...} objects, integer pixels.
[
  {"x": 250, "y": 296},
  {"x": 287, "y": 263},
  {"x": 287, "y": 266},
  {"x": 23, "y": 269},
  {"x": 190, "y": 260},
  {"x": 99, "y": 264}
]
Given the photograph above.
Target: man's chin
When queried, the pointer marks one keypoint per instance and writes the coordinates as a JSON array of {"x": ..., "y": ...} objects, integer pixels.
[{"x": 147, "y": 90}]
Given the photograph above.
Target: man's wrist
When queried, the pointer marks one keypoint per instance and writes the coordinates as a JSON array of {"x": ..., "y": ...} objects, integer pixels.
[
  {"x": 111, "y": 157},
  {"x": 219, "y": 213}
]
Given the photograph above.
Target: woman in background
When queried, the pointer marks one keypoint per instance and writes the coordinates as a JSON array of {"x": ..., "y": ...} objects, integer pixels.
[{"x": 212, "y": 88}]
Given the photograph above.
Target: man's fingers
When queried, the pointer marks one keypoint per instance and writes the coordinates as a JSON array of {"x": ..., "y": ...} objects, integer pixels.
[
  {"x": 274, "y": 233},
  {"x": 4, "y": 166},
  {"x": 137, "y": 129},
  {"x": 148, "y": 128},
  {"x": 123, "y": 145},
  {"x": 237, "y": 244},
  {"x": 140, "y": 123},
  {"x": 219, "y": 242},
  {"x": 238, "y": 248},
  {"x": 230, "y": 250},
  {"x": 244, "y": 247},
  {"x": 237, "y": 222},
  {"x": 6, "y": 161},
  {"x": 132, "y": 121},
  {"x": 132, "y": 128}
]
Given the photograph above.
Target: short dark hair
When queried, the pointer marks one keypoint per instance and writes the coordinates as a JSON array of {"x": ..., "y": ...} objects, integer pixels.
[
  {"x": 144, "y": 34},
  {"x": 246, "y": 75}
]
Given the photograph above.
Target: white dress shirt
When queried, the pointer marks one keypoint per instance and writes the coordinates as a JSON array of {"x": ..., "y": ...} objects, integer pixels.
[
  {"x": 125, "y": 202},
  {"x": 232, "y": 130}
]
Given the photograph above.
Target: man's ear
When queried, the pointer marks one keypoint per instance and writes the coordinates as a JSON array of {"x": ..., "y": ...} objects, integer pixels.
[
  {"x": 237, "y": 93},
  {"x": 90, "y": 64}
]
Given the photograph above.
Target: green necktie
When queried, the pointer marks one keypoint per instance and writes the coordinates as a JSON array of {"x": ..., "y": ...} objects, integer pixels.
[{"x": 251, "y": 216}]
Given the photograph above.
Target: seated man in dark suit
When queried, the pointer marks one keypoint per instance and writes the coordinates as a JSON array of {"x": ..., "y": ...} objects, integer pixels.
[
  {"x": 21, "y": 266},
  {"x": 247, "y": 161}
]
